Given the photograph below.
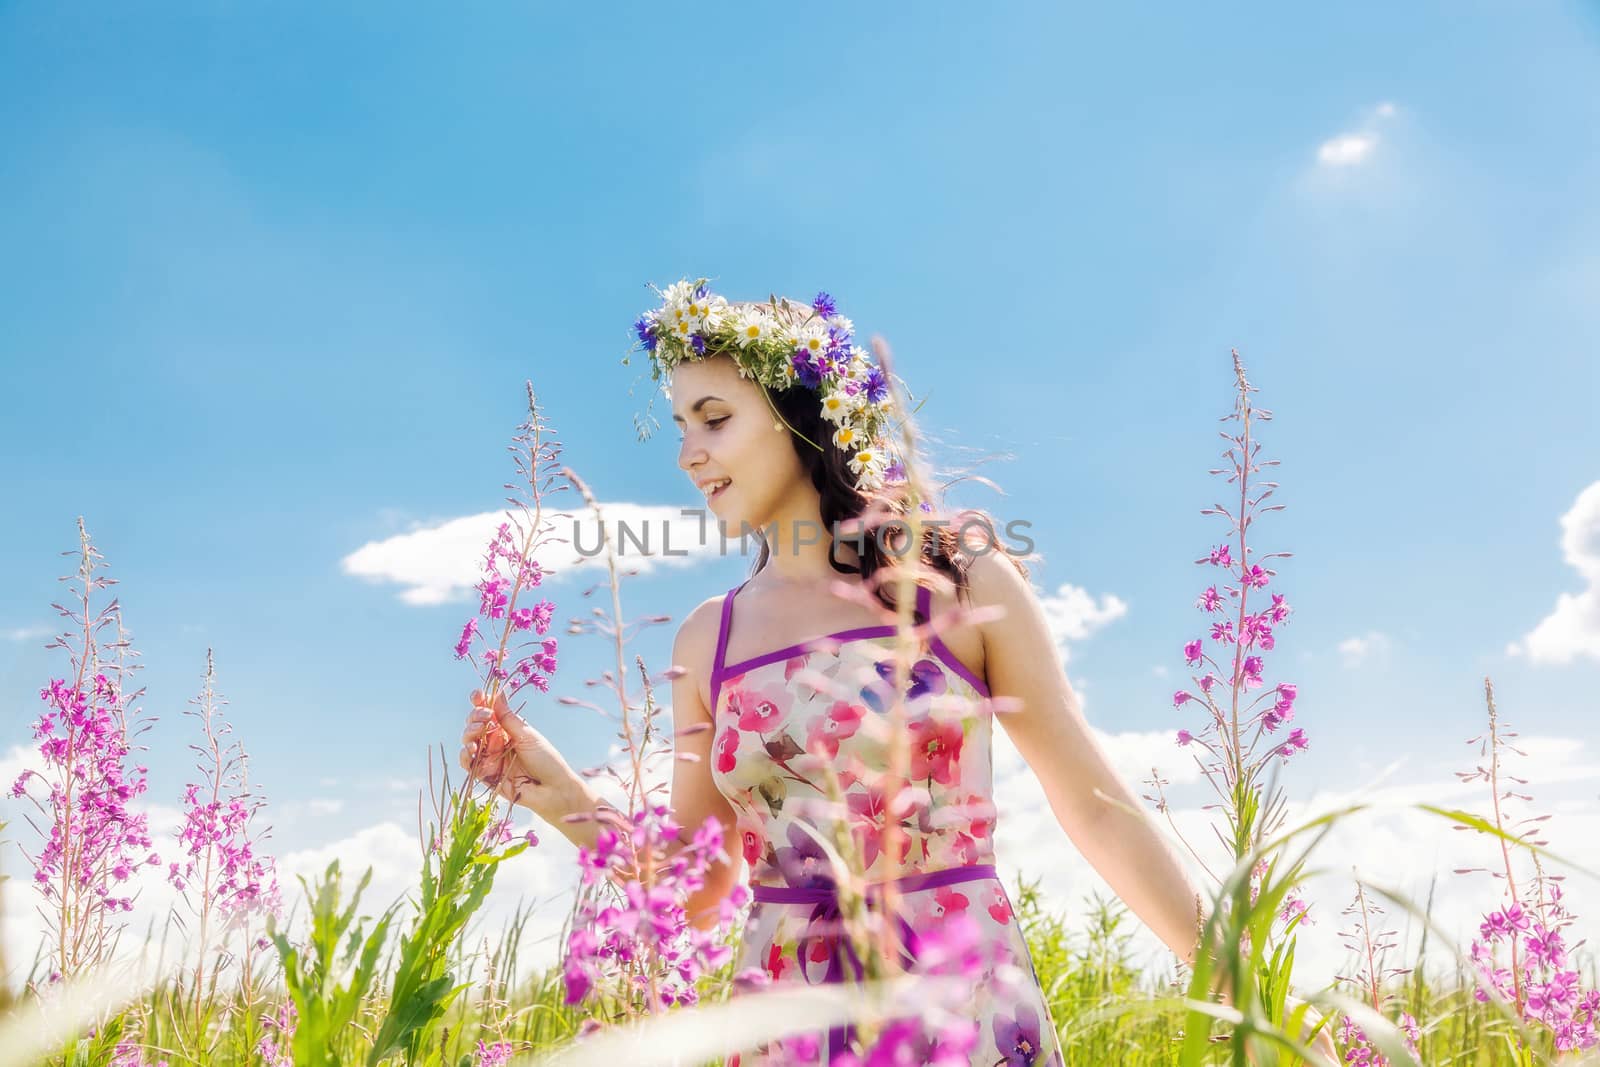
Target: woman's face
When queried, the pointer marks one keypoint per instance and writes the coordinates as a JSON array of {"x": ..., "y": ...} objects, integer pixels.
[{"x": 727, "y": 435}]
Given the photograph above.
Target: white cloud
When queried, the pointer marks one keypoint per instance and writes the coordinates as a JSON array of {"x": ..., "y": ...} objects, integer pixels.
[
  {"x": 1572, "y": 629},
  {"x": 25, "y": 633},
  {"x": 1356, "y": 650},
  {"x": 1346, "y": 150},
  {"x": 1072, "y": 614},
  {"x": 1354, "y": 147},
  {"x": 441, "y": 562}
]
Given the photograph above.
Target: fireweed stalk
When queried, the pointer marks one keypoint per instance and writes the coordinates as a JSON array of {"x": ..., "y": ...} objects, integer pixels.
[
  {"x": 223, "y": 880},
  {"x": 876, "y": 820},
  {"x": 632, "y": 950},
  {"x": 1371, "y": 950},
  {"x": 1240, "y": 736},
  {"x": 94, "y": 841},
  {"x": 1534, "y": 975},
  {"x": 462, "y": 847}
]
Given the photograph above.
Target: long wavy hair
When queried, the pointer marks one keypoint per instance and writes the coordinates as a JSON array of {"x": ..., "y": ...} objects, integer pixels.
[{"x": 881, "y": 542}]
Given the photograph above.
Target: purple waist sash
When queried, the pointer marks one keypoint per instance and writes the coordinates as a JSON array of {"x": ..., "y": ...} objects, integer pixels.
[{"x": 825, "y": 925}]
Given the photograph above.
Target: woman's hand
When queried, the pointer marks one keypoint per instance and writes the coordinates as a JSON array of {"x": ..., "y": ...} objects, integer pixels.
[
  {"x": 1324, "y": 1041},
  {"x": 500, "y": 749}
]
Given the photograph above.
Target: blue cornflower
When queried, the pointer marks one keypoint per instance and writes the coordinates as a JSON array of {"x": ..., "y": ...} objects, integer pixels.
[
  {"x": 698, "y": 341},
  {"x": 825, "y": 306},
  {"x": 810, "y": 376},
  {"x": 838, "y": 340},
  {"x": 877, "y": 385},
  {"x": 646, "y": 329}
]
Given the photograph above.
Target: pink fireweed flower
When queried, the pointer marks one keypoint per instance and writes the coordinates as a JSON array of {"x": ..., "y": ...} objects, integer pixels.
[
  {"x": 1257, "y": 632},
  {"x": 94, "y": 841},
  {"x": 1221, "y": 556},
  {"x": 1296, "y": 742},
  {"x": 1191, "y": 652},
  {"x": 217, "y": 836},
  {"x": 518, "y": 654},
  {"x": 1180, "y": 698},
  {"x": 1223, "y": 632},
  {"x": 497, "y": 1054},
  {"x": 1533, "y": 977},
  {"x": 1185, "y": 737},
  {"x": 1209, "y": 600},
  {"x": 644, "y": 941}
]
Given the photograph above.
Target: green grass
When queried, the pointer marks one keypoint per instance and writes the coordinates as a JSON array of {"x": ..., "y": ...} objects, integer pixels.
[{"x": 1095, "y": 985}]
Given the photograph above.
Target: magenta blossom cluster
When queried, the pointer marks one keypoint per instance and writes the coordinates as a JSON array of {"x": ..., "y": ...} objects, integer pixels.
[
  {"x": 95, "y": 841},
  {"x": 1240, "y": 732},
  {"x": 492, "y": 1054},
  {"x": 1359, "y": 1050},
  {"x": 276, "y": 1047},
  {"x": 1536, "y": 974},
  {"x": 1269, "y": 711},
  {"x": 645, "y": 940},
  {"x": 216, "y": 832},
  {"x": 508, "y": 570}
]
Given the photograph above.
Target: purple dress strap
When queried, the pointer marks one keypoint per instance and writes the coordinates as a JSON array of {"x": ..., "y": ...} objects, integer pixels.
[{"x": 723, "y": 630}]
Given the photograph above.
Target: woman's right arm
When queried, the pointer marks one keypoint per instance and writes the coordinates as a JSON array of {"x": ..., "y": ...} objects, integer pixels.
[{"x": 533, "y": 774}]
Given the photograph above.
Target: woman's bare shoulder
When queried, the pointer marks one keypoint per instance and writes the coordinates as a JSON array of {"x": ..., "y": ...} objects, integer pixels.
[{"x": 696, "y": 642}]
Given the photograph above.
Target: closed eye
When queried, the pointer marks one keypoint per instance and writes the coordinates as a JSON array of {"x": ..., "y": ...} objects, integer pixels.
[{"x": 713, "y": 423}]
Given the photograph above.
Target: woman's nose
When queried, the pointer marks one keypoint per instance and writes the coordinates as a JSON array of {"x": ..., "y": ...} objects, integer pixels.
[{"x": 689, "y": 454}]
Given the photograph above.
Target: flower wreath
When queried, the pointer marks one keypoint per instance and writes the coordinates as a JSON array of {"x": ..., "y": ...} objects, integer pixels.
[{"x": 779, "y": 344}]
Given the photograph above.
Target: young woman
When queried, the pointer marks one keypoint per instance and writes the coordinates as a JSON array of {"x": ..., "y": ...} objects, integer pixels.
[{"x": 784, "y": 430}]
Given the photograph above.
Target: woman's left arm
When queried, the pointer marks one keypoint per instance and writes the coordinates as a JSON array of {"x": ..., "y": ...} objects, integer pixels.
[
  {"x": 1097, "y": 809},
  {"x": 1101, "y": 815}
]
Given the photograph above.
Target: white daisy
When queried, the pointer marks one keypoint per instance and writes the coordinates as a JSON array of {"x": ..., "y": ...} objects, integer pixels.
[
  {"x": 868, "y": 460},
  {"x": 838, "y": 406},
  {"x": 847, "y": 437},
  {"x": 813, "y": 338},
  {"x": 869, "y": 479},
  {"x": 752, "y": 326}
]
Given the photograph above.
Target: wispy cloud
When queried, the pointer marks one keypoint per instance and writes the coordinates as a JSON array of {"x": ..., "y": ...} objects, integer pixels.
[
  {"x": 1357, "y": 650},
  {"x": 441, "y": 562},
  {"x": 1073, "y": 614},
  {"x": 1572, "y": 629},
  {"x": 25, "y": 633},
  {"x": 1354, "y": 147}
]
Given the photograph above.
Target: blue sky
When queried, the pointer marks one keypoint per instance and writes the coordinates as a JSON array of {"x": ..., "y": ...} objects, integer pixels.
[{"x": 274, "y": 281}]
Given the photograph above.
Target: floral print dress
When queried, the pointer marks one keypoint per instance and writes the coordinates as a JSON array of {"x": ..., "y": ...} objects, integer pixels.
[{"x": 779, "y": 719}]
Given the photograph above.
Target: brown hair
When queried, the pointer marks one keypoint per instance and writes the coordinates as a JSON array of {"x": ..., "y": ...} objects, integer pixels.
[{"x": 881, "y": 541}]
